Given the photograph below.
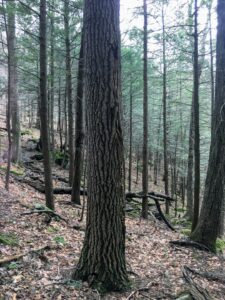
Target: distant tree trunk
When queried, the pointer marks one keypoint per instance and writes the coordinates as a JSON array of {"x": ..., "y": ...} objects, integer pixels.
[
  {"x": 44, "y": 108},
  {"x": 15, "y": 124},
  {"x": 52, "y": 79},
  {"x": 102, "y": 261},
  {"x": 131, "y": 136},
  {"x": 137, "y": 164},
  {"x": 65, "y": 122},
  {"x": 157, "y": 154},
  {"x": 166, "y": 178},
  {"x": 196, "y": 123},
  {"x": 59, "y": 117},
  {"x": 79, "y": 130},
  {"x": 144, "y": 212},
  {"x": 189, "y": 212},
  {"x": 208, "y": 226},
  {"x": 69, "y": 90},
  {"x": 211, "y": 61}
]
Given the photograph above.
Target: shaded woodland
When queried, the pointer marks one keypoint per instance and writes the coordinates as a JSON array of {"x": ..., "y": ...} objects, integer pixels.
[{"x": 112, "y": 149}]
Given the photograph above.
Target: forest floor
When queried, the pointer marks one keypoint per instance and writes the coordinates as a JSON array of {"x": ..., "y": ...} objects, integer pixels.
[{"x": 153, "y": 264}]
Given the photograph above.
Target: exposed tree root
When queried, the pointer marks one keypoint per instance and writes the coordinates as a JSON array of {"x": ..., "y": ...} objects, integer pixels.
[
  {"x": 133, "y": 294},
  {"x": 214, "y": 276},
  {"x": 190, "y": 243},
  {"x": 196, "y": 291},
  {"x": 45, "y": 211}
]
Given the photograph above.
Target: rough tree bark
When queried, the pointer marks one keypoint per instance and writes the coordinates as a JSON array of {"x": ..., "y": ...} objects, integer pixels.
[
  {"x": 44, "y": 108},
  {"x": 102, "y": 260},
  {"x": 208, "y": 226}
]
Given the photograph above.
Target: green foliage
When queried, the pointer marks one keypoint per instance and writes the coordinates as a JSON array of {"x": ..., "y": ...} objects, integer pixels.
[
  {"x": 9, "y": 239},
  {"x": 59, "y": 240},
  {"x": 186, "y": 231},
  {"x": 220, "y": 245},
  {"x": 26, "y": 132},
  {"x": 52, "y": 229},
  {"x": 13, "y": 265},
  {"x": 15, "y": 169}
]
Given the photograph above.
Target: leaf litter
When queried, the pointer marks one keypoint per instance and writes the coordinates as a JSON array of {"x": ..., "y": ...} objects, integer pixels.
[{"x": 154, "y": 266}]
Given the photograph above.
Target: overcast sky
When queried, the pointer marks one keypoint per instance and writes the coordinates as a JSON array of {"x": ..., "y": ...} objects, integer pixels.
[{"x": 128, "y": 20}]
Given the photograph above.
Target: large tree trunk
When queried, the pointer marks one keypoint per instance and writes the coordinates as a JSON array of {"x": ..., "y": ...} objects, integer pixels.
[
  {"x": 44, "y": 108},
  {"x": 79, "y": 131},
  {"x": 69, "y": 91},
  {"x": 102, "y": 261},
  {"x": 207, "y": 229},
  {"x": 144, "y": 212},
  {"x": 15, "y": 152}
]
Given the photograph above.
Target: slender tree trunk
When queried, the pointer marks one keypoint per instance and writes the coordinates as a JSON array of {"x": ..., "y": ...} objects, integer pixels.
[
  {"x": 14, "y": 114},
  {"x": 137, "y": 165},
  {"x": 69, "y": 90},
  {"x": 59, "y": 117},
  {"x": 65, "y": 127},
  {"x": 144, "y": 212},
  {"x": 79, "y": 132},
  {"x": 131, "y": 136},
  {"x": 189, "y": 212},
  {"x": 44, "y": 108},
  {"x": 52, "y": 72},
  {"x": 166, "y": 178},
  {"x": 208, "y": 226},
  {"x": 196, "y": 123},
  {"x": 102, "y": 261}
]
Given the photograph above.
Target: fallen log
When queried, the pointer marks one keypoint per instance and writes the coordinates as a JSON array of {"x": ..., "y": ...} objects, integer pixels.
[
  {"x": 9, "y": 259},
  {"x": 162, "y": 215},
  {"x": 140, "y": 195},
  {"x": 67, "y": 191},
  {"x": 196, "y": 291}
]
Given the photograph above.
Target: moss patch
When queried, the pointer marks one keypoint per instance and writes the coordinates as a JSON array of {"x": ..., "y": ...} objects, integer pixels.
[
  {"x": 220, "y": 245},
  {"x": 15, "y": 169},
  {"x": 9, "y": 239}
]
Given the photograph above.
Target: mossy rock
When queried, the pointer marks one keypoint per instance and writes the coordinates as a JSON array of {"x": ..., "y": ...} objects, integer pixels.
[{"x": 9, "y": 239}]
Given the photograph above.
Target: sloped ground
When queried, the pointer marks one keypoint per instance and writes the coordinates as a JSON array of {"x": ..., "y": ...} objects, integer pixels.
[{"x": 151, "y": 261}]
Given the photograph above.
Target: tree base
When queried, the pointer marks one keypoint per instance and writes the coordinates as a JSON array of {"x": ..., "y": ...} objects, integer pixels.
[{"x": 104, "y": 282}]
